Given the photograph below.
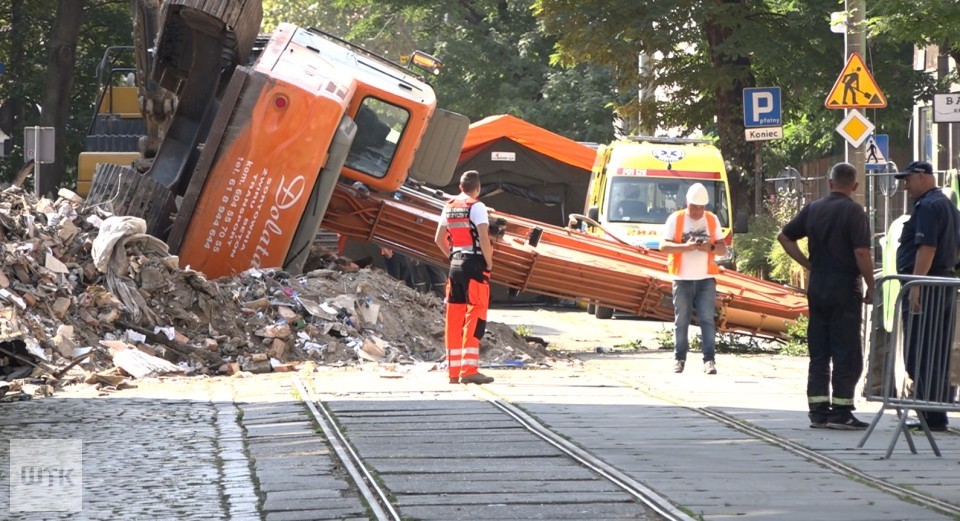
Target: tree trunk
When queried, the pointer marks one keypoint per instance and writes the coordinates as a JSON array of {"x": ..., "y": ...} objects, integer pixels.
[
  {"x": 61, "y": 63},
  {"x": 11, "y": 114},
  {"x": 729, "y": 108}
]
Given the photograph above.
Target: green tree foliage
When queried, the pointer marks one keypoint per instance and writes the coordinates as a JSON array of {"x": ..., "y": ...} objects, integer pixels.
[
  {"x": 708, "y": 51},
  {"x": 561, "y": 64},
  {"x": 918, "y": 22},
  {"x": 26, "y": 27},
  {"x": 496, "y": 60}
]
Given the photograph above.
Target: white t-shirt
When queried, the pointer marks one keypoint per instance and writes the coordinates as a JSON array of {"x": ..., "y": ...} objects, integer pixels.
[
  {"x": 478, "y": 213},
  {"x": 693, "y": 264}
]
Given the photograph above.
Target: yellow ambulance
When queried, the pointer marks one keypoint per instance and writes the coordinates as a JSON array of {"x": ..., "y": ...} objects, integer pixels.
[{"x": 637, "y": 182}]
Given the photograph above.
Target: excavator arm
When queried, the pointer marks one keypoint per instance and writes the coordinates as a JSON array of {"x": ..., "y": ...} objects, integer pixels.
[{"x": 562, "y": 262}]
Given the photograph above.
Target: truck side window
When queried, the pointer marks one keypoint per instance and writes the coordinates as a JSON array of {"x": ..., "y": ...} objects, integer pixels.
[{"x": 379, "y": 128}]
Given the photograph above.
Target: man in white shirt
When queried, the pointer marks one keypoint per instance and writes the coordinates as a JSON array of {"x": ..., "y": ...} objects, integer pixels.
[{"x": 693, "y": 238}]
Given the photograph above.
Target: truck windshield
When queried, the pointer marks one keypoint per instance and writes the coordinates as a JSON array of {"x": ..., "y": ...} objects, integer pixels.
[
  {"x": 639, "y": 199},
  {"x": 379, "y": 127}
]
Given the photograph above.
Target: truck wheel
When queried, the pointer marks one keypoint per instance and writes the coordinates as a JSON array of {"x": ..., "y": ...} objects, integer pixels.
[
  {"x": 591, "y": 309},
  {"x": 603, "y": 313}
]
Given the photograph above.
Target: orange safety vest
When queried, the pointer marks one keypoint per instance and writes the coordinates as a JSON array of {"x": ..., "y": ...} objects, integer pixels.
[
  {"x": 462, "y": 234},
  {"x": 673, "y": 259}
]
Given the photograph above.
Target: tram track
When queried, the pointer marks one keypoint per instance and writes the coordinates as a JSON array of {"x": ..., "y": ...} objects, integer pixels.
[
  {"x": 377, "y": 499},
  {"x": 382, "y": 500},
  {"x": 603, "y": 443},
  {"x": 833, "y": 464},
  {"x": 631, "y": 486}
]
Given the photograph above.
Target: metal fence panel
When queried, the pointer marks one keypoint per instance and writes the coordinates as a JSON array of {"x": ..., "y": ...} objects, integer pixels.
[{"x": 915, "y": 364}]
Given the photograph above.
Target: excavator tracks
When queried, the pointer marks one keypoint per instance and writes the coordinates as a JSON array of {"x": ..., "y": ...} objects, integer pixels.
[{"x": 198, "y": 45}]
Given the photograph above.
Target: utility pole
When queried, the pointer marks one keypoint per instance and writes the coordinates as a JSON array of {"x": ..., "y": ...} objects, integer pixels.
[{"x": 855, "y": 42}]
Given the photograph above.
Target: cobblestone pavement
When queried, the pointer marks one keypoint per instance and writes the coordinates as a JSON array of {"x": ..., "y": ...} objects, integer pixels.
[
  {"x": 162, "y": 451},
  {"x": 176, "y": 449}
]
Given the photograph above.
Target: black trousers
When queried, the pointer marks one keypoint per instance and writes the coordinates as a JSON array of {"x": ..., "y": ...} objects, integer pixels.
[{"x": 833, "y": 339}]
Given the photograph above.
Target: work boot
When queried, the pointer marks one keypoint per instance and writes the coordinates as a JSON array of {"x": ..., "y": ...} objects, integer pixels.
[
  {"x": 476, "y": 378},
  {"x": 678, "y": 365},
  {"x": 818, "y": 420},
  {"x": 819, "y": 414},
  {"x": 844, "y": 420}
]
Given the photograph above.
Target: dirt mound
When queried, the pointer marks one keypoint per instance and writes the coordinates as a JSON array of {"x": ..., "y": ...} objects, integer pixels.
[{"x": 78, "y": 303}]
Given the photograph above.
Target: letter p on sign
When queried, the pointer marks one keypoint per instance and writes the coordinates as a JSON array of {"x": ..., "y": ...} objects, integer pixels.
[
  {"x": 761, "y": 107},
  {"x": 762, "y": 104}
]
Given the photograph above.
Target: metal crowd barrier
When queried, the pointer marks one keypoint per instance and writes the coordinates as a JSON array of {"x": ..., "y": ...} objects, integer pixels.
[{"x": 914, "y": 353}]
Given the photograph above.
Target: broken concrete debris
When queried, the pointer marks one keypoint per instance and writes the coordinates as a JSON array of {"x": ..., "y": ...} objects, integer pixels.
[{"x": 88, "y": 297}]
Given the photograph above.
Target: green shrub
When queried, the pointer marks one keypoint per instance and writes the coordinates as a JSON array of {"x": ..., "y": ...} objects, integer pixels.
[
  {"x": 796, "y": 344},
  {"x": 760, "y": 255},
  {"x": 665, "y": 339},
  {"x": 783, "y": 268},
  {"x": 727, "y": 343},
  {"x": 635, "y": 345},
  {"x": 753, "y": 248}
]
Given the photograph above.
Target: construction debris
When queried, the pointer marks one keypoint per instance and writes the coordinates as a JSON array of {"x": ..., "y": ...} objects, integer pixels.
[{"x": 88, "y": 297}]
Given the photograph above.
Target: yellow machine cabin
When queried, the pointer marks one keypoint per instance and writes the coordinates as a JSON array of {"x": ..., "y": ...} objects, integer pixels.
[{"x": 636, "y": 183}]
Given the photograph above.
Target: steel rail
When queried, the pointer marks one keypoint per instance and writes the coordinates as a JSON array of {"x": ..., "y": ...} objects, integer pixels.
[
  {"x": 831, "y": 463},
  {"x": 629, "y": 485},
  {"x": 793, "y": 447},
  {"x": 375, "y": 496}
]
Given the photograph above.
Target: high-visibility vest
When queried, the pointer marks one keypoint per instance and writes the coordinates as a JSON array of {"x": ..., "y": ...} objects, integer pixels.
[
  {"x": 674, "y": 259},
  {"x": 462, "y": 234}
]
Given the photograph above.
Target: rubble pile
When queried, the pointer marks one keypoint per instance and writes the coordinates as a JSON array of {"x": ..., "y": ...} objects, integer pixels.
[{"x": 88, "y": 297}]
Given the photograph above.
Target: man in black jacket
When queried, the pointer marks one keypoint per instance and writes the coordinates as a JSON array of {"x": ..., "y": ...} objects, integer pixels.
[{"x": 838, "y": 237}]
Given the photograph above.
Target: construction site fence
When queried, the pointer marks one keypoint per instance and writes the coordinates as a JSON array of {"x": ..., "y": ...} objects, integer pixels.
[{"x": 913, "y": 353}]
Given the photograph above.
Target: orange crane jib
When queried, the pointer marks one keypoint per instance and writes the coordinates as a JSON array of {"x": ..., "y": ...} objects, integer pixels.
[{"x": 564, "y": 263}]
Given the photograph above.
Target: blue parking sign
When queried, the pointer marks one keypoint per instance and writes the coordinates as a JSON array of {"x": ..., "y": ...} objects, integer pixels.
[{"x": 761, "y": 107}]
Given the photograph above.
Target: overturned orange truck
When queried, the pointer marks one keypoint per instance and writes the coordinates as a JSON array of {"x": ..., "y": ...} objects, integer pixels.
[{"x": 318, "y": 132}]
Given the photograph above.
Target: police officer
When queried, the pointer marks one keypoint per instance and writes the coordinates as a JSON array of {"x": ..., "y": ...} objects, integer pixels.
[
  {"x": 463, "y": 235},
  {"x": 928, "y": 246},
  {"x": 838, "y": 236}
]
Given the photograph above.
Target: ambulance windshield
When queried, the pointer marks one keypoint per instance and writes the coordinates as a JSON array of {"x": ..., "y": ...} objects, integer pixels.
[{"x": 640, "y": 199}]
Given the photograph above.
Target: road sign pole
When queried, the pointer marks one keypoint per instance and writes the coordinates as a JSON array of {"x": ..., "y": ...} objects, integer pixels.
[
  {"x": 36, "y": 163},
  {"x": 855, "y": 44},
  {"x": 758, "y": 180},
  {"x": 762, "y": 120}
]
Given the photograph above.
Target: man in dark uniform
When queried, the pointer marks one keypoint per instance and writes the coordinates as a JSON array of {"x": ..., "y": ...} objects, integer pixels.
[
  {"x": 838, "y": 236},
  {"x": 928, "y": 246}
]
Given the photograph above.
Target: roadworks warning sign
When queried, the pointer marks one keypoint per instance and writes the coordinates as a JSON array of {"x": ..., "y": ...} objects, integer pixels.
[{"x": 855, "y": 88}]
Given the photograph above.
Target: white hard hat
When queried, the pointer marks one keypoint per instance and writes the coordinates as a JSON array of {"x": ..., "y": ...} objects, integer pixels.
[{"x": 697, "y": 194}]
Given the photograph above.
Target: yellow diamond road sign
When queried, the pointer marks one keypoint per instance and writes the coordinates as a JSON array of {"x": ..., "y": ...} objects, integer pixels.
[
  {"x": 855, "y": 128},
  {"x": 855, "y": 88}
]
